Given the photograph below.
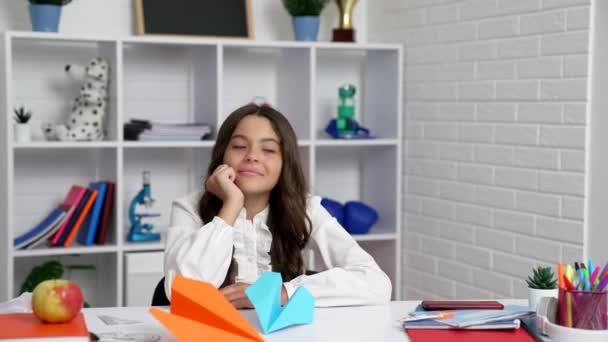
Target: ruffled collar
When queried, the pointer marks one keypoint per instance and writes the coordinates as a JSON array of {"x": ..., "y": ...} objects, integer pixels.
[{"x": 259, "y": 217}]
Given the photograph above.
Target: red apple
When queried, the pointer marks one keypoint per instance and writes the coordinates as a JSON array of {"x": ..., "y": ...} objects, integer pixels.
[{"x": 57, "y": 300}]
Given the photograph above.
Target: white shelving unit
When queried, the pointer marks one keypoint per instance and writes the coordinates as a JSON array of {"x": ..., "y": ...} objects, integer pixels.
[{"x": 185, "y": 79}]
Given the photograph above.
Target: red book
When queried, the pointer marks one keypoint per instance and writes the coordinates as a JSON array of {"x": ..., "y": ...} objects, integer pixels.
[
  {"x": 17, "y": 326},
  {"x": 69, "y": 205},
  {"x": 106, "y": 215},
  {"x": 447, "y": 335}
]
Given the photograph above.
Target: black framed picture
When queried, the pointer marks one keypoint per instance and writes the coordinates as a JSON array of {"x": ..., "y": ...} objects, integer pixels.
[{"x": 214, "y": 18}]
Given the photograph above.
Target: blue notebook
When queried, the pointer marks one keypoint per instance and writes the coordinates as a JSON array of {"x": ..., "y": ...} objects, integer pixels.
[
  {"x": 492, "y": 319},
  {"x": 87, "y": 236},
  {"x": 48, "y": 223}
]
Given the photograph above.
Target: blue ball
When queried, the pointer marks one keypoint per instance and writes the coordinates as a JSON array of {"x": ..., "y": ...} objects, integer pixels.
[
  {"x": 335, "y": 209},
  {"x": 359, "y": 217}
]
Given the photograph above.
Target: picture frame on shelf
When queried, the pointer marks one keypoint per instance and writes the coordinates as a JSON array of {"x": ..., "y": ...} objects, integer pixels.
[{"x": 203, "y": 18}]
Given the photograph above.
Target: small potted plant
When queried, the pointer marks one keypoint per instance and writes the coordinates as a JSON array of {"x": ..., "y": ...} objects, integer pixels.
[
  {"x": 45, "y": 14},
  {"x": 22, "y": 125},
  {"x": 542, "y": 283},
  {"x": 305, "y": 15}
]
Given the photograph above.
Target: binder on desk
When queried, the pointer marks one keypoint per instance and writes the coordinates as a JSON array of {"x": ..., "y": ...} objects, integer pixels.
[
  {"x": 26, "y": 327},
  {"x": 470, "y": 325},
  {"x": 449, "y": 335}
]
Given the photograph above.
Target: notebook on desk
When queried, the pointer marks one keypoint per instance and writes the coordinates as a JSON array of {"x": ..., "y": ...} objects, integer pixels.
[
  {"x": 26, "y": 327},
  {"x": 471, "y": 319},
  {"x": 448, "y": 335},
  {"x": 470, "y": 325}
]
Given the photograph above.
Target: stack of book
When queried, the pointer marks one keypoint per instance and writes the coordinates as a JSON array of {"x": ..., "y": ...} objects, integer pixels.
[
  {"x": 145, "y": 130},
  {"x": 84, "y": 216},
  {"x": 467, "y": 325}
]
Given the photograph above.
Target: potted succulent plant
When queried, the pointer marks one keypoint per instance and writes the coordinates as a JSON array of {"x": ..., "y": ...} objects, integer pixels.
[
  {"x": 22, "y": 125},
  {"x": 305, "y": 14},
  {"x": 45, "y": 14},
  {"x": 542, "y": 283},
  {"x": 50, "y": 270}
]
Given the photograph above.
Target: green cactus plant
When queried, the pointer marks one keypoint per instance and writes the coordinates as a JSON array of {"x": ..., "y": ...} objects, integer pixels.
[
  {"x": 22, "y": 116},
  {"x": 50, "y": 2},
  {"x": 49, "y": 270},
  {"x": 304, "y": 7},
  {"x": 542, "y": 278}
]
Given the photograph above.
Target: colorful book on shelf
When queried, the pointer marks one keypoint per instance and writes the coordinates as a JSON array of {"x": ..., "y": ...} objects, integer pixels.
[
  {"x": 52, "y": 220},
  {"x": 69, "y": 205},
  {"x": 88, "y": 235},
  {"x": 26, "y": 327},
  {"x": 106, "y": 216},
  {"x": 44, "y": 238},
  {"x": 81, "y": 217},
  {"x": 70, "y": 225}
]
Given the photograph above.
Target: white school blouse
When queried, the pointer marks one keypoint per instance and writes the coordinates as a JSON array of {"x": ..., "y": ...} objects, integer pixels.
[{"x": 204, "y": 252}]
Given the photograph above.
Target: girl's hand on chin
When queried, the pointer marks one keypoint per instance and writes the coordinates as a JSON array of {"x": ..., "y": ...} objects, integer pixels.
[{"x": 221, "y": 184}]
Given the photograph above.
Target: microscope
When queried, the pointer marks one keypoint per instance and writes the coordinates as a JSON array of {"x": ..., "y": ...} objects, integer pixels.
[{"x": 142, "y": 231}]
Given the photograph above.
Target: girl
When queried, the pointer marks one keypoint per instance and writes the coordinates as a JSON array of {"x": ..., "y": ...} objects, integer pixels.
[{"x": 255, "y": 216}]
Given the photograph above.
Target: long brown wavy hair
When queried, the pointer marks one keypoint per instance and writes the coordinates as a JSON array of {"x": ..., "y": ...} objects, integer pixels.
[{"x": 287, "y": 218}]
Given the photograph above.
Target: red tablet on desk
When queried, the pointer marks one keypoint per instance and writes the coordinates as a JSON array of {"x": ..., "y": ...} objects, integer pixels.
[{"x": 461, "y": 305}]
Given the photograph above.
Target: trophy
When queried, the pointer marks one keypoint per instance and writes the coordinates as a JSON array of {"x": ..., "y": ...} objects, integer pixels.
[{"x": 345, "y": 31}]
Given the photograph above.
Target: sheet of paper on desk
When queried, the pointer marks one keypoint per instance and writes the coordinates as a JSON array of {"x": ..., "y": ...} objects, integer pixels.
[
  {"x": 265, "y": 295},
  {"x": 200, "y": 312},
  {"x": 126, "y": 324}
]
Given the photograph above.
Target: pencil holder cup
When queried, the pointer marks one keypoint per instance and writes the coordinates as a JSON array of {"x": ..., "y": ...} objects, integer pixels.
[{"x": 583, "y": 309}]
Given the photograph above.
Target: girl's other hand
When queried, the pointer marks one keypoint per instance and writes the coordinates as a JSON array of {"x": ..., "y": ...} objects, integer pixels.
[{"x": 236, "y": 295}]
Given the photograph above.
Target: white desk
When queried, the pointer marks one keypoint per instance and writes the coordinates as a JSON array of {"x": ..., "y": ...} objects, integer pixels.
[{"x": 362, "y": 323}]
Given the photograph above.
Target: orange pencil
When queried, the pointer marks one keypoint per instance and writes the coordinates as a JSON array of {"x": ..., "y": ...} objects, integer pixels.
[
  {"x": 569, "y": 309},
  {"x": 560, "y": 275}
]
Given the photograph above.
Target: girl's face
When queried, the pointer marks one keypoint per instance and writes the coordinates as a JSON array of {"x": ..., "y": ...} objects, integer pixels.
[{"x": 254, "y": 152}]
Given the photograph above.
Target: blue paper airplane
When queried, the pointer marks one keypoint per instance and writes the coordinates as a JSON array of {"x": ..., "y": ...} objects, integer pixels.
[{"x": 265, "y": 295}]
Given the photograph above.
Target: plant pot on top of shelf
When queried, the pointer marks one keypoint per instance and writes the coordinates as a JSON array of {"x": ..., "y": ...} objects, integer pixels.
[
  {"x": 46, "y": 14},
  {"x": 305, "y": 16},
  {"x": 541, "y": 284},
  {"x": 22, "y": 125}
]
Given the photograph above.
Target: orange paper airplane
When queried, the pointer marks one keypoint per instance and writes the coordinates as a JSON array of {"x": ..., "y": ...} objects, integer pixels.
[{"x": 199, "y": 312}]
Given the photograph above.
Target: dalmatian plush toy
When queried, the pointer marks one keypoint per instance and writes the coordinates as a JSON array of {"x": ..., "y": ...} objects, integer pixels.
[{"x": 87, "y": 117}]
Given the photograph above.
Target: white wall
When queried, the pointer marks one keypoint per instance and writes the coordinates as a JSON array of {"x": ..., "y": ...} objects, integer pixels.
[
  {"x": 496, "y": 117},
  {"x": 116, "y": 17}
]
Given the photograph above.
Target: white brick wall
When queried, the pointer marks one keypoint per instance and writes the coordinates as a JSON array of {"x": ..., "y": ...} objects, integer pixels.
[{"x": 495, "y": 126}]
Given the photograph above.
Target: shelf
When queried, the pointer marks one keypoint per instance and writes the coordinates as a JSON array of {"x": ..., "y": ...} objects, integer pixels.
[
  {"x": 183, "y": 144},
  {"x": 357, "y": 142},
  {"x": 168, "y": 144},
  {"x": 65, "y": 251},
  {"x": 60, "y": 144},
  {"x": 177, "y": 40},
  {"x": 189, "y": 80},
  {"x": 143, "y": 246},
  {"x": 52, "y": 36},
  {"x": 375, "y": 237}
]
